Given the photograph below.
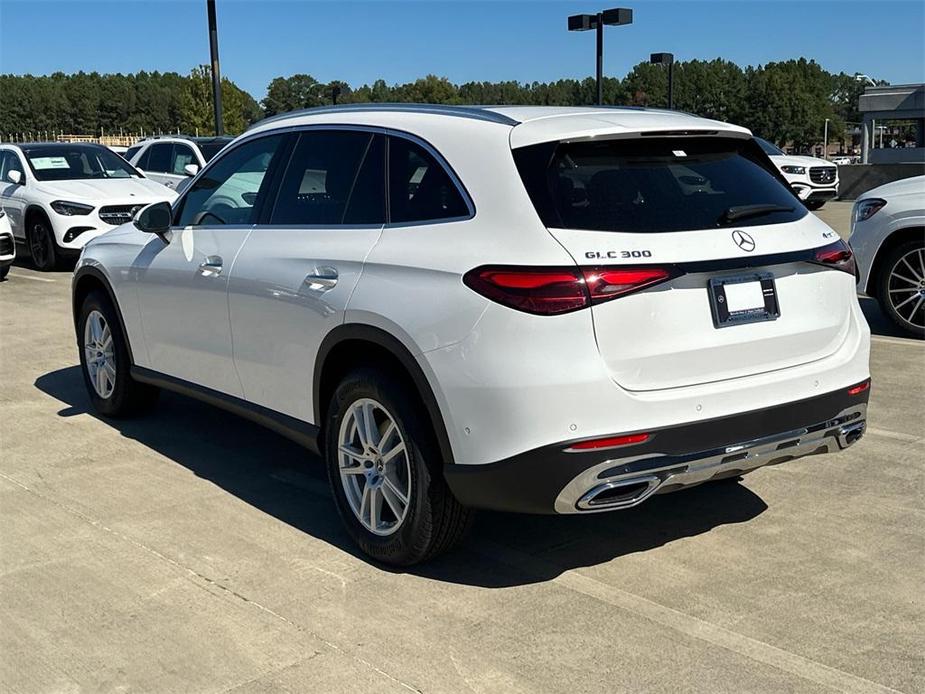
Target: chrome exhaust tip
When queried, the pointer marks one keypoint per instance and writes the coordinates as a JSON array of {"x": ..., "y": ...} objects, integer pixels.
[
  {"x": 849, "y": 434},
  {"x": 619, "y": 493}
]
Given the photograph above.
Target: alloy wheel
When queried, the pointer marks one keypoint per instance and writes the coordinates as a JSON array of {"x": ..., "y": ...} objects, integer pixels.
[
  {"x": 906, "y": 288},
  {"x": 374, "y": 467},
  {"x": 40, "y": 246},
  {"x": 99, "y": 355}
]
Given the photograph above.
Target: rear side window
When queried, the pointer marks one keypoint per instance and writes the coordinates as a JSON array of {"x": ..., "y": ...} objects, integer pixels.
[
  {"x": 158, "y": 157},
  {"x": 653, "y": 184},
  {"x": 131, "y": 152},
  {"x": 420, "y": 189},
  {"x": 321, "y": 177}
]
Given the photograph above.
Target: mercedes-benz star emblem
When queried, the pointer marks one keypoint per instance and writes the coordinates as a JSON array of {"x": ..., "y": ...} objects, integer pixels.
[{"x": 743, "y": 241}]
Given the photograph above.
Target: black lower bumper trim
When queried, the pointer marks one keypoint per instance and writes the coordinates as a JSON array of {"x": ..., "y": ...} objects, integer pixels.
[{"x": 530, "y": 482}]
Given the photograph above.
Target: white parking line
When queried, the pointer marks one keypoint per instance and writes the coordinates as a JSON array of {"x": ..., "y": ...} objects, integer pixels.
[
  {"x": 30, "y": 277},
  {"x": 899, "y": 436},
  {"x": 895, "y": 340},
  {"x": 683, "y": 623}
]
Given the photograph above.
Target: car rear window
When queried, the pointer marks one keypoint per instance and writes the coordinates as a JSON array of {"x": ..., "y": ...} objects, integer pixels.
[{"x": 653, "y": 184}]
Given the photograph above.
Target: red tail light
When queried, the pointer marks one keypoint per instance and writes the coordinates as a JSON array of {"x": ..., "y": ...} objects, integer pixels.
[
  {"x": 859, "y": 388},
  {"x": 549, "y": 291},
  {"x": 836, "y": 255},
  {"x": 608, "y": 442}
]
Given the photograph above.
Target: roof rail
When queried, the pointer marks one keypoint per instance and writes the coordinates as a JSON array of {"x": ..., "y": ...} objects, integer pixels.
[{"x": 474, "y": 112}]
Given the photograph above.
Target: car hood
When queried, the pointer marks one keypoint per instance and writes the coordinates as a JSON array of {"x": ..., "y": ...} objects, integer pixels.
[
  {"x": 103, "y": 190},
  {"x": 788, "y": 160},
  {"x": 906, "y": 186}
]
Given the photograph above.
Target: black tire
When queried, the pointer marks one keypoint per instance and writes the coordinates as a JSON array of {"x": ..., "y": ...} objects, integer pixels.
[
  {"x": 4, "y": 271},
  {"x": 128, "y": 396},
  {"x": 814, "y": 204},
  {"x": 42, "y": 245},
  {"x": 913, "y": 324},
  {"x": 435, "y": 520}
]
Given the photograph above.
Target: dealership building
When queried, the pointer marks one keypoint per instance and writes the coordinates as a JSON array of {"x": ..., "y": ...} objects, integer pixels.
[{"x": 885, "y": 108}]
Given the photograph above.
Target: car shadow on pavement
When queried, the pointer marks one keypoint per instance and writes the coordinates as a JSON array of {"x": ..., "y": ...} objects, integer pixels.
[
  {"x": 274, "y": 474},
  {"x": 877, "y": 319}
]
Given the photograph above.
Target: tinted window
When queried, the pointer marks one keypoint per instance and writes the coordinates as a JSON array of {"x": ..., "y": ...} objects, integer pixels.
[
  {"x": 769, "y": 149},
  {"x": 210, "y": 149},
  {"x": 67, "y": 162},
  {"x": 420, "y": 189},
  {"x": 8, "y": 162},
  {"x": 182, "y": 155},
  {"x": 159, "y": 157},
  {"x": 227, "y": 192},
  {"x": 652, "y": 184},
  {"x": 143, "y": 160},
  {"x": 320, "y": 178},
  {"x": 131, "y": 152},
  {"x": 367, "y": 199}
]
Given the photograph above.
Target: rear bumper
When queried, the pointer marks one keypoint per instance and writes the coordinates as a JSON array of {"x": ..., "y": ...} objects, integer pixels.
[{"x": 550, "y": 480}]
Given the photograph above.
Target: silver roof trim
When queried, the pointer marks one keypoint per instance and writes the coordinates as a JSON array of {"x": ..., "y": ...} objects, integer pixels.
[{"x": 473, "y": 112}]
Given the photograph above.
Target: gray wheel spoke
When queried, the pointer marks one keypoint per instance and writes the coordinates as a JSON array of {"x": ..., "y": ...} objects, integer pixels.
[
  {"x": 909, "y": 265},
  {"x": 392, "y": 452},
  {"x": 903, "y": 278},
  {"x": 905, "y": 301},
  {"x": 395, "y": 504}
]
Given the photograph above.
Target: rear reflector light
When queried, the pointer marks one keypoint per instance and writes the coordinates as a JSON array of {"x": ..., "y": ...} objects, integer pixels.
[
  {"x": 859, "y": 388},
  {"x": 550, "y": 291},
  {"x": 836, "y": 255},
  {"x": 608, "y": 442}
]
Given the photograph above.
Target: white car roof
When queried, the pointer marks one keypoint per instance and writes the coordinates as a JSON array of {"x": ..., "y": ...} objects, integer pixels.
[{"x": 527, "y": 124}]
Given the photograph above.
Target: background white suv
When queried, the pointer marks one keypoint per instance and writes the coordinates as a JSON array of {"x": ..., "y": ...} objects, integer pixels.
[
  {"x": 888, "y": 236},
  {"x": 814, "y": 180},
  {"x": 547, "y": 310},
  {"x": 58, "y": 196},
  {"x": 165, "y": 159},
  {"x": 7, "y": 246}
]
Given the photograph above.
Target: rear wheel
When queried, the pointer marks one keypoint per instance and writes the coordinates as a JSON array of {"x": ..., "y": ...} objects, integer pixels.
[
  {"x": 105, "y": 361},
  {"x": 385, "y": 473},
  {"x": 814, "y": 204},
  {"x": 902, "y": 287},
  {"x": 42, "y": 245}
]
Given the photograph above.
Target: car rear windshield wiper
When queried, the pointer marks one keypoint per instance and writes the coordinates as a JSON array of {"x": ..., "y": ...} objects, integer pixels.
[{"x": 742, "y": 211}]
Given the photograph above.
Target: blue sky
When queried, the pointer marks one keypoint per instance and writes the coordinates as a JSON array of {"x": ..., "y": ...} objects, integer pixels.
[{"x": 400, "y": 41}]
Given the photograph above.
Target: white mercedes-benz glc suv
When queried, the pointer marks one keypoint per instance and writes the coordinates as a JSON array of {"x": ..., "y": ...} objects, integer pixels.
[
  {"x": 546, "y": 310},
  {"x": 60, "y": 195},
  {"x": 814, "y": 180},
  {"x": 888, "y": 237}
]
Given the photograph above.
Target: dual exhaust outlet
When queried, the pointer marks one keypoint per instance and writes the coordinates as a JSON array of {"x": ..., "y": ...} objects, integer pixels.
[{"x": 631, "y": 491}]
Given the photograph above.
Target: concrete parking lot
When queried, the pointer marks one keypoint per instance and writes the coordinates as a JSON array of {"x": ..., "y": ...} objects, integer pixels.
[{"x": 191, "y": 551}]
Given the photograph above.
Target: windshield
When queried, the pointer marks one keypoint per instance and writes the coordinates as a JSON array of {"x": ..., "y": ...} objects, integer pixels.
[
  {"x": 653, "y": 184},
  {"x": 769, "y": 149},
  {"x": 73, "y": 162}
]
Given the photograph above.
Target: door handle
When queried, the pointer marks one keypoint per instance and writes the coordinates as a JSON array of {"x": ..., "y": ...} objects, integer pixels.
[
  {"x": 211, "y": 266},
  {"x": 323, "y": 279}
]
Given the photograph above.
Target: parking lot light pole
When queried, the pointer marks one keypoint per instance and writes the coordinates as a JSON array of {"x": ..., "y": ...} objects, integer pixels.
[
  {"x": 825, "y": 141},
  {"x": 585, "y": 22},
  {"x": 666, "y": 59},
  {"x": 216, "y": 75}
]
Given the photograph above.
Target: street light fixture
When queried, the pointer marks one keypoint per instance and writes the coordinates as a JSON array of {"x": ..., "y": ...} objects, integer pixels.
[
  {"x": 666, "y": 59},
  {"x": 585, "y": 22}
]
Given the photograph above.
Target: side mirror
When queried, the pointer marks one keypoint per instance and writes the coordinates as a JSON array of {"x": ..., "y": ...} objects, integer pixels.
[
  {"x": 155, "y": 218},
  {"x": 191, "y": 169},
  {"x": 14, "y": 177}
]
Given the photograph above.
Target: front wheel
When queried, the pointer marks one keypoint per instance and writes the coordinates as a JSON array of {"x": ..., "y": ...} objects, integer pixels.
[
  {"x": 4, "y": 271},
  {"x": 814, "y": 204},
  {"x": 105, "y": 361},
  {"x": 902, "y": 287},
  {"x": 42, "y": 246},
  {"x": 385, "y": 472}
]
